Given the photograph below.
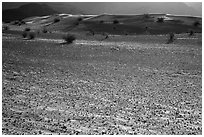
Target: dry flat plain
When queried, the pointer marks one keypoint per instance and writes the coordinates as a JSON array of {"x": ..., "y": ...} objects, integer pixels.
[{"x": 121, "y": 85}]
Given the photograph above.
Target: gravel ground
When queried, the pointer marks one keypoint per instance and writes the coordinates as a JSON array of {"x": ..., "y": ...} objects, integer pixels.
[{"x": 101, "y": 87}]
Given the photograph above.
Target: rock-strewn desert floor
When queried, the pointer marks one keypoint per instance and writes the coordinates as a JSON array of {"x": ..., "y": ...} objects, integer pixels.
[{"x": 122, "y": 85}]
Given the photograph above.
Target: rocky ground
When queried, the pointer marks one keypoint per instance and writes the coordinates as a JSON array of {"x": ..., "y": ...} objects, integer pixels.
[{"x": 101, "y": 87}]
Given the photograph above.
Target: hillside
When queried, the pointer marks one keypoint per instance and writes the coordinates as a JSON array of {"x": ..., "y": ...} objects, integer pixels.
[
  {"x": 125, "y": 24},
  {"x": 27, "y": 10},
  {"x": 178, "y": 8},
  {"x": 143, "y": 24}
]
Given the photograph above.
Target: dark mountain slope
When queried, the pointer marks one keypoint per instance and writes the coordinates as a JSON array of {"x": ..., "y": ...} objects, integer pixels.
[{"x": 28, "y": 10}]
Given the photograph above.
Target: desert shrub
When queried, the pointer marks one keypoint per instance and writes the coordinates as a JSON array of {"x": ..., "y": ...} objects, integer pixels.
[
  {"x": 69, "y": 38},
  {"x": 146, "y": 31},
  {"x": 160, "y": 20},
  {"x": 23, "y": 22},
  {"x": 24, "y": 34},
  {"x": 92, "y": 32},
  {"x": 106, "y": 36},
  {"x": 20, "y": 22},
  {"x": 196, "y": 23},
  {"x": 171, "y": 38},
  {"x": 27, "y": 29},
  {"x": 76, "y": 23},
  {"x": 56, "y": 20},
  {"x": 15, "y": 23},
  {"x": 115, "y": 21},
  {"x": 101, "y": 21},
  {"x": 31, "y": 35},
  {"x": 191, "y": 33},
  {"x": 79, "y": 19},
  {"x": 5, "y": 27},
  {"x": 44, "y": 30},
  {"x": 146, "y": 16},
  {"x": 114, "y": 49}
]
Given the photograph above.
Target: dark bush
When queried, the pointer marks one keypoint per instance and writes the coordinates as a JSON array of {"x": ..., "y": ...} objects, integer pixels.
[
  {"x": 44, "y": 30},
  {"x": 31, "y": 35},
  {"x": 69, "y": 38},
  {"x": 24, "y": 34},
  {"x": 27, "y": 29},
  {"x": 146, "y": 28},
  {"x": 115, "y": 21},
  {"x": 23, "y": 22},
  {"x": 20, "y": 22},
  {"x": 171, "y": 38},
  {"x": 5, "y": 27},
  {"x": 191, "y": 33},
  {"x": 92, "y": 32},
  {"x": 160, "y": 20},
  {"x": 79, "y": 19},
  {"x": 106, "y": 36},
  {"x": 146, "y": 16},
  {"x": 76, "y": 23},
  {"x": 196, "y": 23},
  {"x": 15, "y": 23},
  {"x": 56, "y": 20},
  {"x": 101, "y": 21}
]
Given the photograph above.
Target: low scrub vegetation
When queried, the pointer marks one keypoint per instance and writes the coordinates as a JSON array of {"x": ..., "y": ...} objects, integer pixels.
[
  {"x": 15, "y": 23},
  {"x": 44, "y": 30},
  {"x": 23, "y": 22},
  {"x": 171, "y": 38},
  {"x": 115, "y": 21},
  {"x": 160, "y": 20},
  {"x": 76, "y": 23},
  {"x": 56, "y": 20},
  {"x": 191, "y": 33},
  {"x": 5, "y": 27},
  {"x": 28, "y": 35},
  {"x": 18, "y": 22},
  {"x": 147, "y": 16},
  {"x": 196, "y": 23},
  {"x": 69, "y": 38},
  {"x": 101, "y": 21},
  {"x": 79, "y": 19},
  {"x": 91, "y": 32},
  {"x": 31, "y": 35},
  {"x": 24, "y": 34},
  {"x": 27, "y": 29}
]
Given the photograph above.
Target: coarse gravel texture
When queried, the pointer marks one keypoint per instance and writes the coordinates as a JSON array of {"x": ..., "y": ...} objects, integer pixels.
[{"x": 101, "y": 87}]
